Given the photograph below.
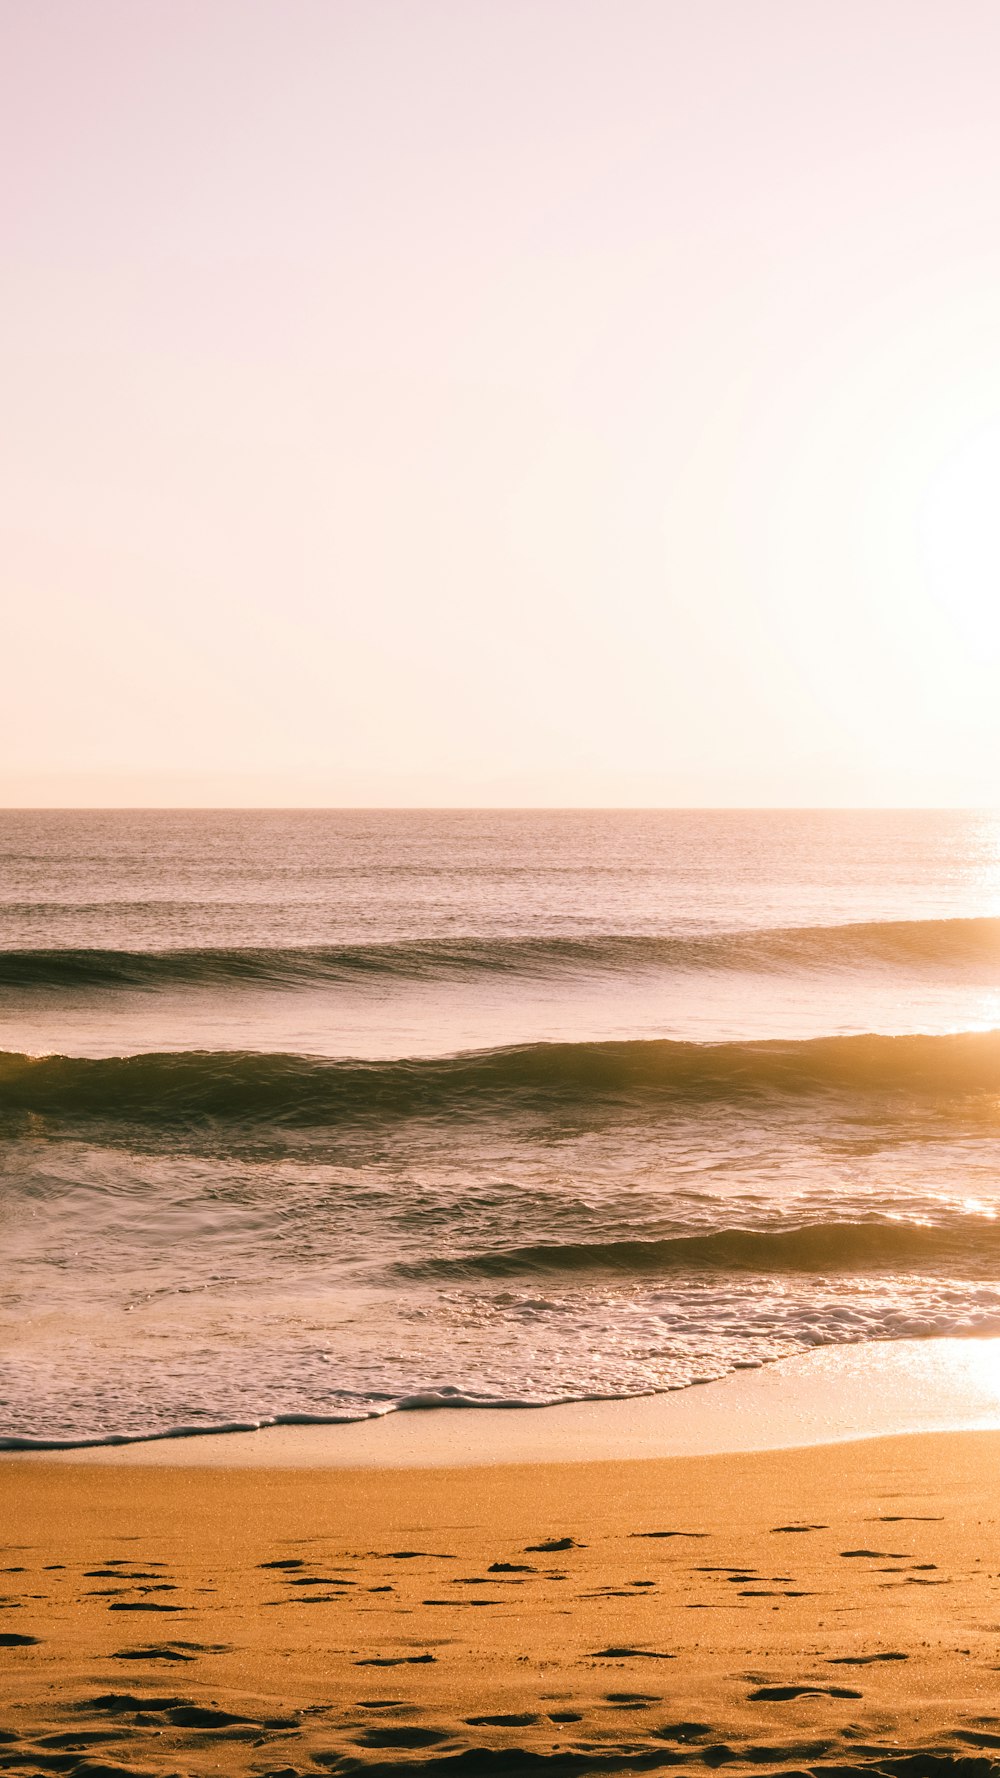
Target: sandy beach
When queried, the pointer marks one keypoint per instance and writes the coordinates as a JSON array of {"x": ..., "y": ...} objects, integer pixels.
[{"x": 823, "y": 1608}]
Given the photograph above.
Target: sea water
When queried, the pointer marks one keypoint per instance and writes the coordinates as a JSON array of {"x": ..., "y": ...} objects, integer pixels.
[{"x": 317, "y": 1114}]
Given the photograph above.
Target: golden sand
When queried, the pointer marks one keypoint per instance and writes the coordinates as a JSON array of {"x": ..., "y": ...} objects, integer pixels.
[{"x": 830, "y": 1606}]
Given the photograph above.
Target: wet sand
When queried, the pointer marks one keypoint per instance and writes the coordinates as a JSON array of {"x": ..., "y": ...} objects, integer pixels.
[{"x": 823, "y": 1608}]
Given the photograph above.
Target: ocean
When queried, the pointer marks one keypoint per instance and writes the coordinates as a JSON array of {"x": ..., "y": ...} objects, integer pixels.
[{"x": 316, "y": 1115}]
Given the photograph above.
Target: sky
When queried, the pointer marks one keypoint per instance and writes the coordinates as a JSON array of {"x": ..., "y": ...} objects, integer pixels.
[{"x": 474, "y": 402}]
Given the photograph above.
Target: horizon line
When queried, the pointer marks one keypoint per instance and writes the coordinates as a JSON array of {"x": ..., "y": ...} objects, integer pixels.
[{"x": 499, "y": 808}]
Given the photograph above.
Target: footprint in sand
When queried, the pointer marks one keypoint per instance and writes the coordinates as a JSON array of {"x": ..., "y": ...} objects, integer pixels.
[
  {"x": 877, "y": 1555},
  {"x": 318, "y": 1580},
  {"x": 865, "y": 1660},
  {"x": 122, "y": 1574},
  {"x": 78, "y": 1737},
  {"x": 199, "y": 1716},
  {"x": 172, "y": 1651},
  {"x": 151, "y": 1654},
  {"x": 402, "y": 1737},
  {"x": 909, "y": 1519},
  {"x": 669, "y": 1533},
  {"x": 783, "y": 1694},
  {"x": 142, "y": 1605},
  {"x": 630, "y": 1654},
  {"x": 413, "y": 1555},
  {"x": 396, "y": 1661},
  {"x": 914, "y": 1580},
  {"x": 125, "y": 1703}
]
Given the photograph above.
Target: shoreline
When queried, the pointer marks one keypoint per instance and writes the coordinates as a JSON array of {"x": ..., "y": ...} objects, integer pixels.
[{"x": 831, "y": 1395}]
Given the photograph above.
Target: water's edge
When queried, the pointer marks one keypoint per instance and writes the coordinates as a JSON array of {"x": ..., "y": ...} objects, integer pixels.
[{"x": 831, "y": 1396}]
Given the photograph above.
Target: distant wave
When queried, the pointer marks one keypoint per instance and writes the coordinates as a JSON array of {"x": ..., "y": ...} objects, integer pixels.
[
  {"x": 969, "y": 1245},
  {"x": 920, "y": 943},
  {"x": 177, "y": 1088}
]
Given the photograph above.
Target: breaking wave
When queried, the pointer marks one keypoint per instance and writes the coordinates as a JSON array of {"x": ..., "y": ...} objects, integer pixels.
[
  {"x": 967, "y": 1246},
  {"x": 248, "y": 1087}
]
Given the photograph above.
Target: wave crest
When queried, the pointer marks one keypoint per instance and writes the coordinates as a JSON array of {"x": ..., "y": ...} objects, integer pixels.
[
  {"x": 173, "y": 1088},
  {"x": 919, "y": 943},
  {"x": 968, "y": 1246}
]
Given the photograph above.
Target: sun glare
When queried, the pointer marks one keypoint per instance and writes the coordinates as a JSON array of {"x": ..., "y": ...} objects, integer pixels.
[{"x": 960, "y": 537}]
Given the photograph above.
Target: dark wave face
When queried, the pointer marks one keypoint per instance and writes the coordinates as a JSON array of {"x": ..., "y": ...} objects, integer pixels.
[
  {"x": 944, "y": 944},
  {"x": 967, "y": 1247},
  {"x": 255, "y": 1088}
]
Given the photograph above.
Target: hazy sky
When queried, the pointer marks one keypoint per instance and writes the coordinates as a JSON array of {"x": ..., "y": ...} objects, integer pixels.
[{"x": 500, "y": 401}]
